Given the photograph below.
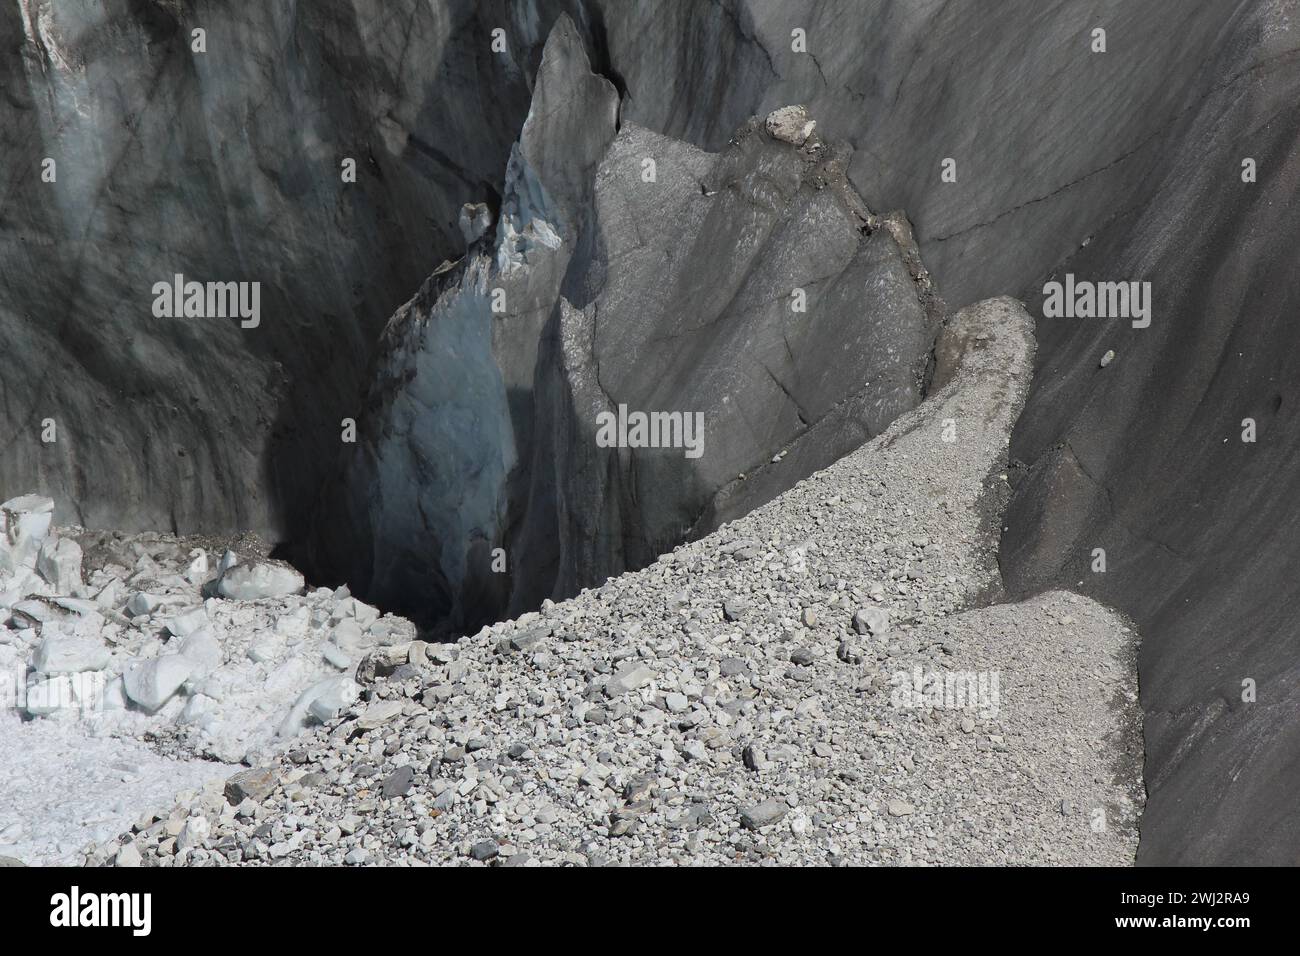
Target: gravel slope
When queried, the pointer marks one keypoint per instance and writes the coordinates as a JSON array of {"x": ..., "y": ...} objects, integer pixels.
[{"x": 739, "y": 700}]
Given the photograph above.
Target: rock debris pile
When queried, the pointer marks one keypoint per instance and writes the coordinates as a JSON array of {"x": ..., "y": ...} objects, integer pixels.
[{"x": 806, "y": 685}]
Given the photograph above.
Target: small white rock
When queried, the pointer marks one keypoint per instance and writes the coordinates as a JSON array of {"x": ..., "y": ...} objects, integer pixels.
[
  {"x": 151, "y": 683},
  {"x": 60, "y": 654},
  {"x": 256, "y": 580}
]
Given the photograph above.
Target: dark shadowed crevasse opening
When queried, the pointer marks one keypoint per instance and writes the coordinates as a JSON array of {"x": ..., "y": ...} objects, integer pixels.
[{"x": 746, "y": 300}]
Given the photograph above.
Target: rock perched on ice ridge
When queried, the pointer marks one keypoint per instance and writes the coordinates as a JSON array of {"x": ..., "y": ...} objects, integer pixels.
[{"x": 790, "y": 124}]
